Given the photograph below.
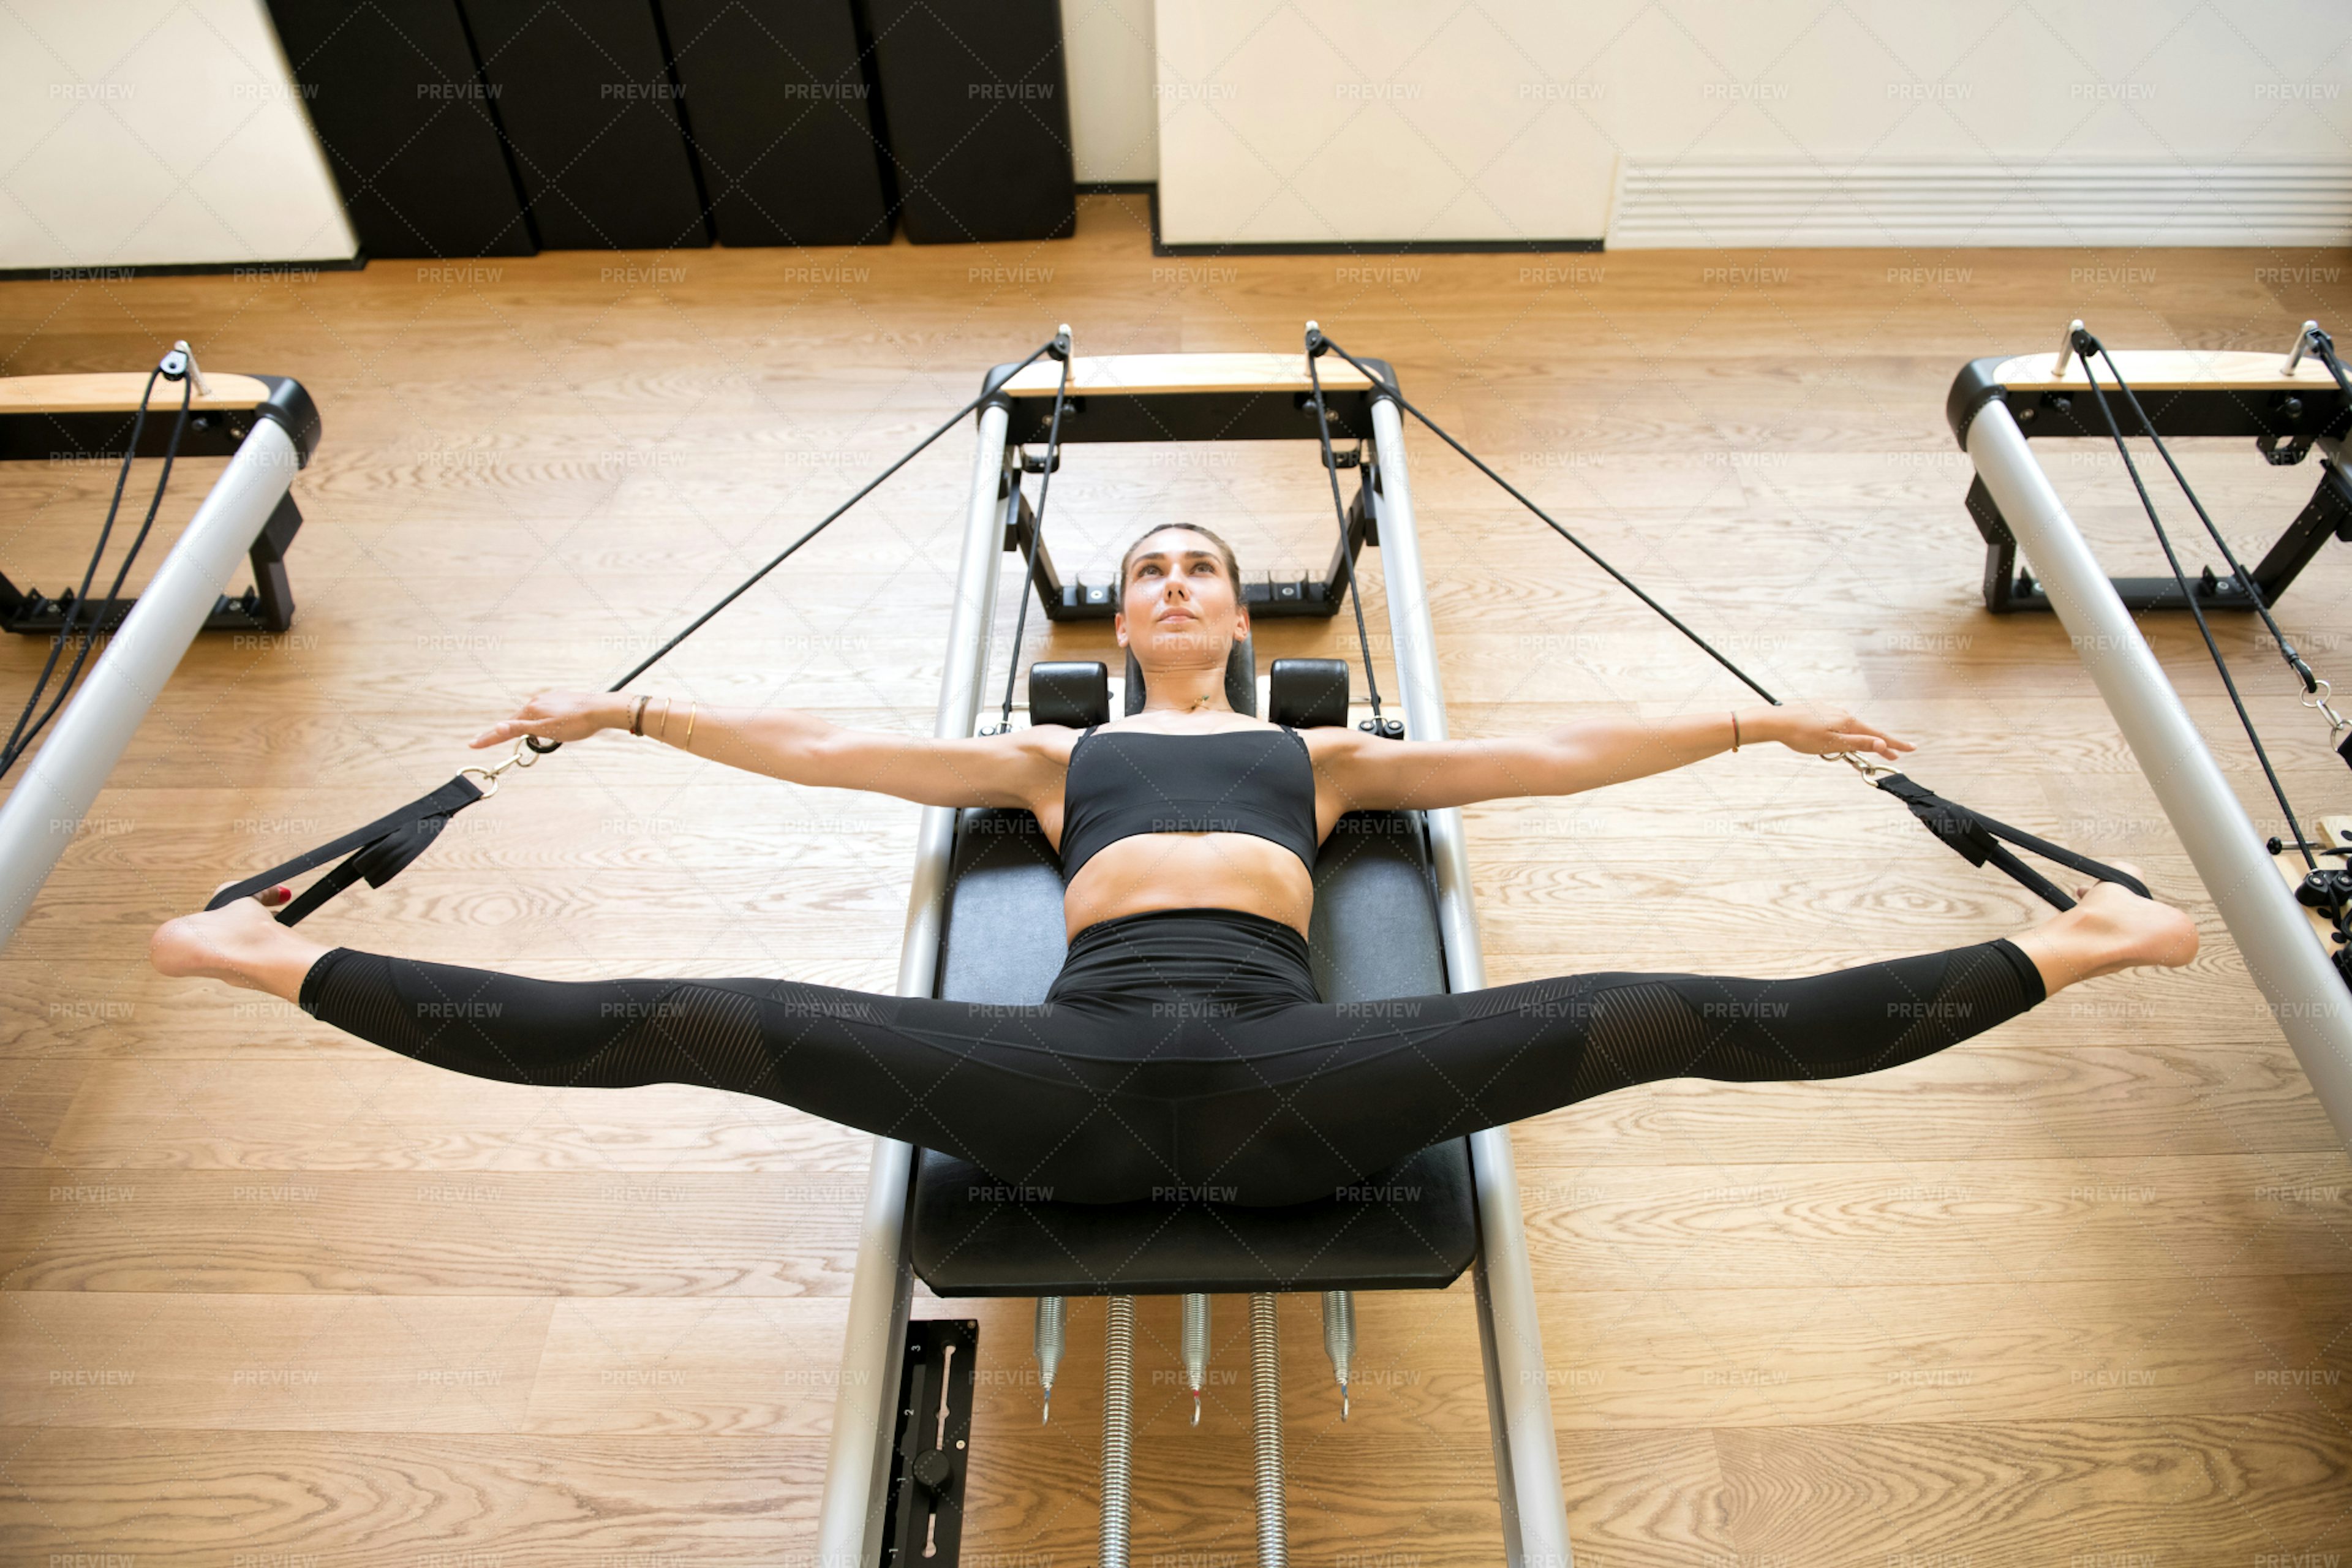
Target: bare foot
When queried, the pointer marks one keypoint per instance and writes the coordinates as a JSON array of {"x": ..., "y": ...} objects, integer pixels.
[
  {"x": 240, "y": 942},
  {"x": 2110, "y": 928}
]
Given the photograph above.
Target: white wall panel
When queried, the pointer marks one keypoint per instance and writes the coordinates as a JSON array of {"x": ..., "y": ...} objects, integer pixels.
[
  {"x": 1339, "y": 121},
  {"x": 152, "y": 132},
  {"x": 1114, "y": 129}
]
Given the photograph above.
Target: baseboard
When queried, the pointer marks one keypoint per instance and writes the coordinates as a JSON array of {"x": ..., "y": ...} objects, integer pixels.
[
  {"x": 1776, "y": 204},
  {"x": 1329, "y": 248},
  {"x": 182, "y": 270}
]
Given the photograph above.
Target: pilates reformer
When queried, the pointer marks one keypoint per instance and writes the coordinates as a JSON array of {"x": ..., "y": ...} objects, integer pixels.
[
  {"x": 1392, "y": 918},
  {"x": 268, "y": 427},
  {"x": 2286, "y": 900}
]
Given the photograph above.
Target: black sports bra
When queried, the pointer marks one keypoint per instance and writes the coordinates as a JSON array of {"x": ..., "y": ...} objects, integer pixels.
[{"x": 1258, "y": 782}]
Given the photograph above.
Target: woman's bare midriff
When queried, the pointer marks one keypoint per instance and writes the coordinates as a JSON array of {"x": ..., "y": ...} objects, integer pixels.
[{"x": 1191, "y": 871}]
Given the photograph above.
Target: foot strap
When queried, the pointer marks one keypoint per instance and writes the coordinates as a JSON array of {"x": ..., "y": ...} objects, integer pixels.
[
  {"x": 379, "y": 852},
  {"x": 1977, "y": 840}
]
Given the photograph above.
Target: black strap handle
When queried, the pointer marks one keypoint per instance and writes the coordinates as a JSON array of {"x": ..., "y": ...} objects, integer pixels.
[
  {"x": 1976, "y": 840},
  {"x": 379, "y": 852}
]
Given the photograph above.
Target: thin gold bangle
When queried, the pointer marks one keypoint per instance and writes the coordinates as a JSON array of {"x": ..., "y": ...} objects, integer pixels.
[
  {"x": 663, "y": 734},
  {"x": 1734, "y": 732},
  {"x": 687, "y": 745}
]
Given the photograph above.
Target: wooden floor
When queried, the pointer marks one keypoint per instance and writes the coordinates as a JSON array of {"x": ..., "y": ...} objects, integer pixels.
[{"x": 2079, "y": 1291}]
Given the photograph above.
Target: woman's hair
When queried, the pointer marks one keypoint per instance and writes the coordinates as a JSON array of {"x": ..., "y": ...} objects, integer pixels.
[{"x": 1232, "y": 567}]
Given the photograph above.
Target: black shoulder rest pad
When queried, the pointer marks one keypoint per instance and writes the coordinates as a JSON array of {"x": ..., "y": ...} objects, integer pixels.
[
  {"x": 1075, "y": 692},
  {"x": 1308, "y": 693}
]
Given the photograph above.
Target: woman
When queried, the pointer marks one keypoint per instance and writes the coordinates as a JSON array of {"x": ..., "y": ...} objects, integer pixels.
[{"x": 1182, "y": 1049}]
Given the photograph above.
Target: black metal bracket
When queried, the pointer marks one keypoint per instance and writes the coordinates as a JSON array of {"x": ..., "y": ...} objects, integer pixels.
[
  {"x": 1282, "y": 592},
  {"x": 266, "y": 607},
  {"x": 2008, "y": 588},
  {"x": 931, "y": 1458}
]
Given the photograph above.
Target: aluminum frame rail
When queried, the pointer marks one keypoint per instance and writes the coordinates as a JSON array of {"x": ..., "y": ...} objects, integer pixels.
[
  {"x": 2306, "y": 996},
  {"x": 1510, "y": 1340},
  {"x": 864, "y": 1420},
  {"x": 45, "y": 810}
]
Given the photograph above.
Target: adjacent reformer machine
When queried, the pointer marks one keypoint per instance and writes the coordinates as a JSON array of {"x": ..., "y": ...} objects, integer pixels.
[
  {"x": 1392, "y": 918},
  {"x": 2289, "y": 404},
  {"x": 268, "y": 427}
]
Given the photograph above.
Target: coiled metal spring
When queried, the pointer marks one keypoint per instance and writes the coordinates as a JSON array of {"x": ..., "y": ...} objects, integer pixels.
[
  {"x": 1196, "y": 1348},
  {"x": 1053, "y": 1314},
  {"x": 1266, "y": 1414},
  {"x": 1118, "y": 1428}
]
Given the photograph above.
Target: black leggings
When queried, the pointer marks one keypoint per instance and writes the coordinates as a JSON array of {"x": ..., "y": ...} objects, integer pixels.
[{"x": 1178, "y": 1054}]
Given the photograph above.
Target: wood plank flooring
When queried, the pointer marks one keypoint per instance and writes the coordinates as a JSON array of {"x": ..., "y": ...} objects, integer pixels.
[{"x": 2077, "y": 1292}]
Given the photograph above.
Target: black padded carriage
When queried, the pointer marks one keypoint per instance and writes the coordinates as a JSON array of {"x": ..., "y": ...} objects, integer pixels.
[{"x": 1374, "y": 936}]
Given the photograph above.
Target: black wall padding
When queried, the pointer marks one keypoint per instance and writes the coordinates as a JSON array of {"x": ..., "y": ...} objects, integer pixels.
[
  {"x": 977, "y": 106},
  {"x": 405, "y": 125},
  {"x": 585, "y": 99},
  {"x": 777, "y": 101}
]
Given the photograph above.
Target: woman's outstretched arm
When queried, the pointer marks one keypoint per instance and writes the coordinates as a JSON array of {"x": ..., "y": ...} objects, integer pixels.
[
  {"x": 1373, "y": 774},
  {"x": 804, "y": 748}
]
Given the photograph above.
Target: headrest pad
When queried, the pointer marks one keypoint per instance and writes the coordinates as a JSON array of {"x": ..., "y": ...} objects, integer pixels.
[{"x": 1241, "y": 679}]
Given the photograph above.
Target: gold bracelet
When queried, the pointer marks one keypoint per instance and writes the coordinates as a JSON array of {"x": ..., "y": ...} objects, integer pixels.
[
  {"x": 638, "y": 716},
  {"x": 687, "y": 745},
  {"x": 1734, "y": 732},
  {"x": 663, "y": 734}
]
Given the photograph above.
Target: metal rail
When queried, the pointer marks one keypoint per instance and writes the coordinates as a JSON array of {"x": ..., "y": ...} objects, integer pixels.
[
  {"x": 857, "y": 1467},
  {"x": 1519, "y": 1395}
]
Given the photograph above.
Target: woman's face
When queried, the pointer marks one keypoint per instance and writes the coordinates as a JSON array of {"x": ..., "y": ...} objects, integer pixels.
[{"x": 1181, "y": 610}]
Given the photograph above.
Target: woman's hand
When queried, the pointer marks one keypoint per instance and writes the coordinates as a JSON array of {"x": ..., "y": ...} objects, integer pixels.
[
  {"x": 1821, "y": 730},
  {"x": 557, "y": 716}
]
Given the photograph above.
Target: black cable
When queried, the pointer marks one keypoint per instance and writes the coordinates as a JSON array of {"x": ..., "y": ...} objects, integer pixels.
[
  {"x": 2085, "y": 346},
  {"x": 1315, "y": 344},
  {"x": 1513, "y": 490},
  {"x": 90, "y": 572},
  {"x": 22, "y": 735},
  {"x": 736, "y": 593},
  {"x": 1061, "y": 351},
  {"x": 2294, "y": 661}
]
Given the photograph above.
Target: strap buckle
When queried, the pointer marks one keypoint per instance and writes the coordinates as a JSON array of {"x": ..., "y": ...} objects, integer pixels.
[
  {"x": 1872, "y": 772},
  {"x": 2336, "y": 722},
  {"x": 521, "y": 757}
]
